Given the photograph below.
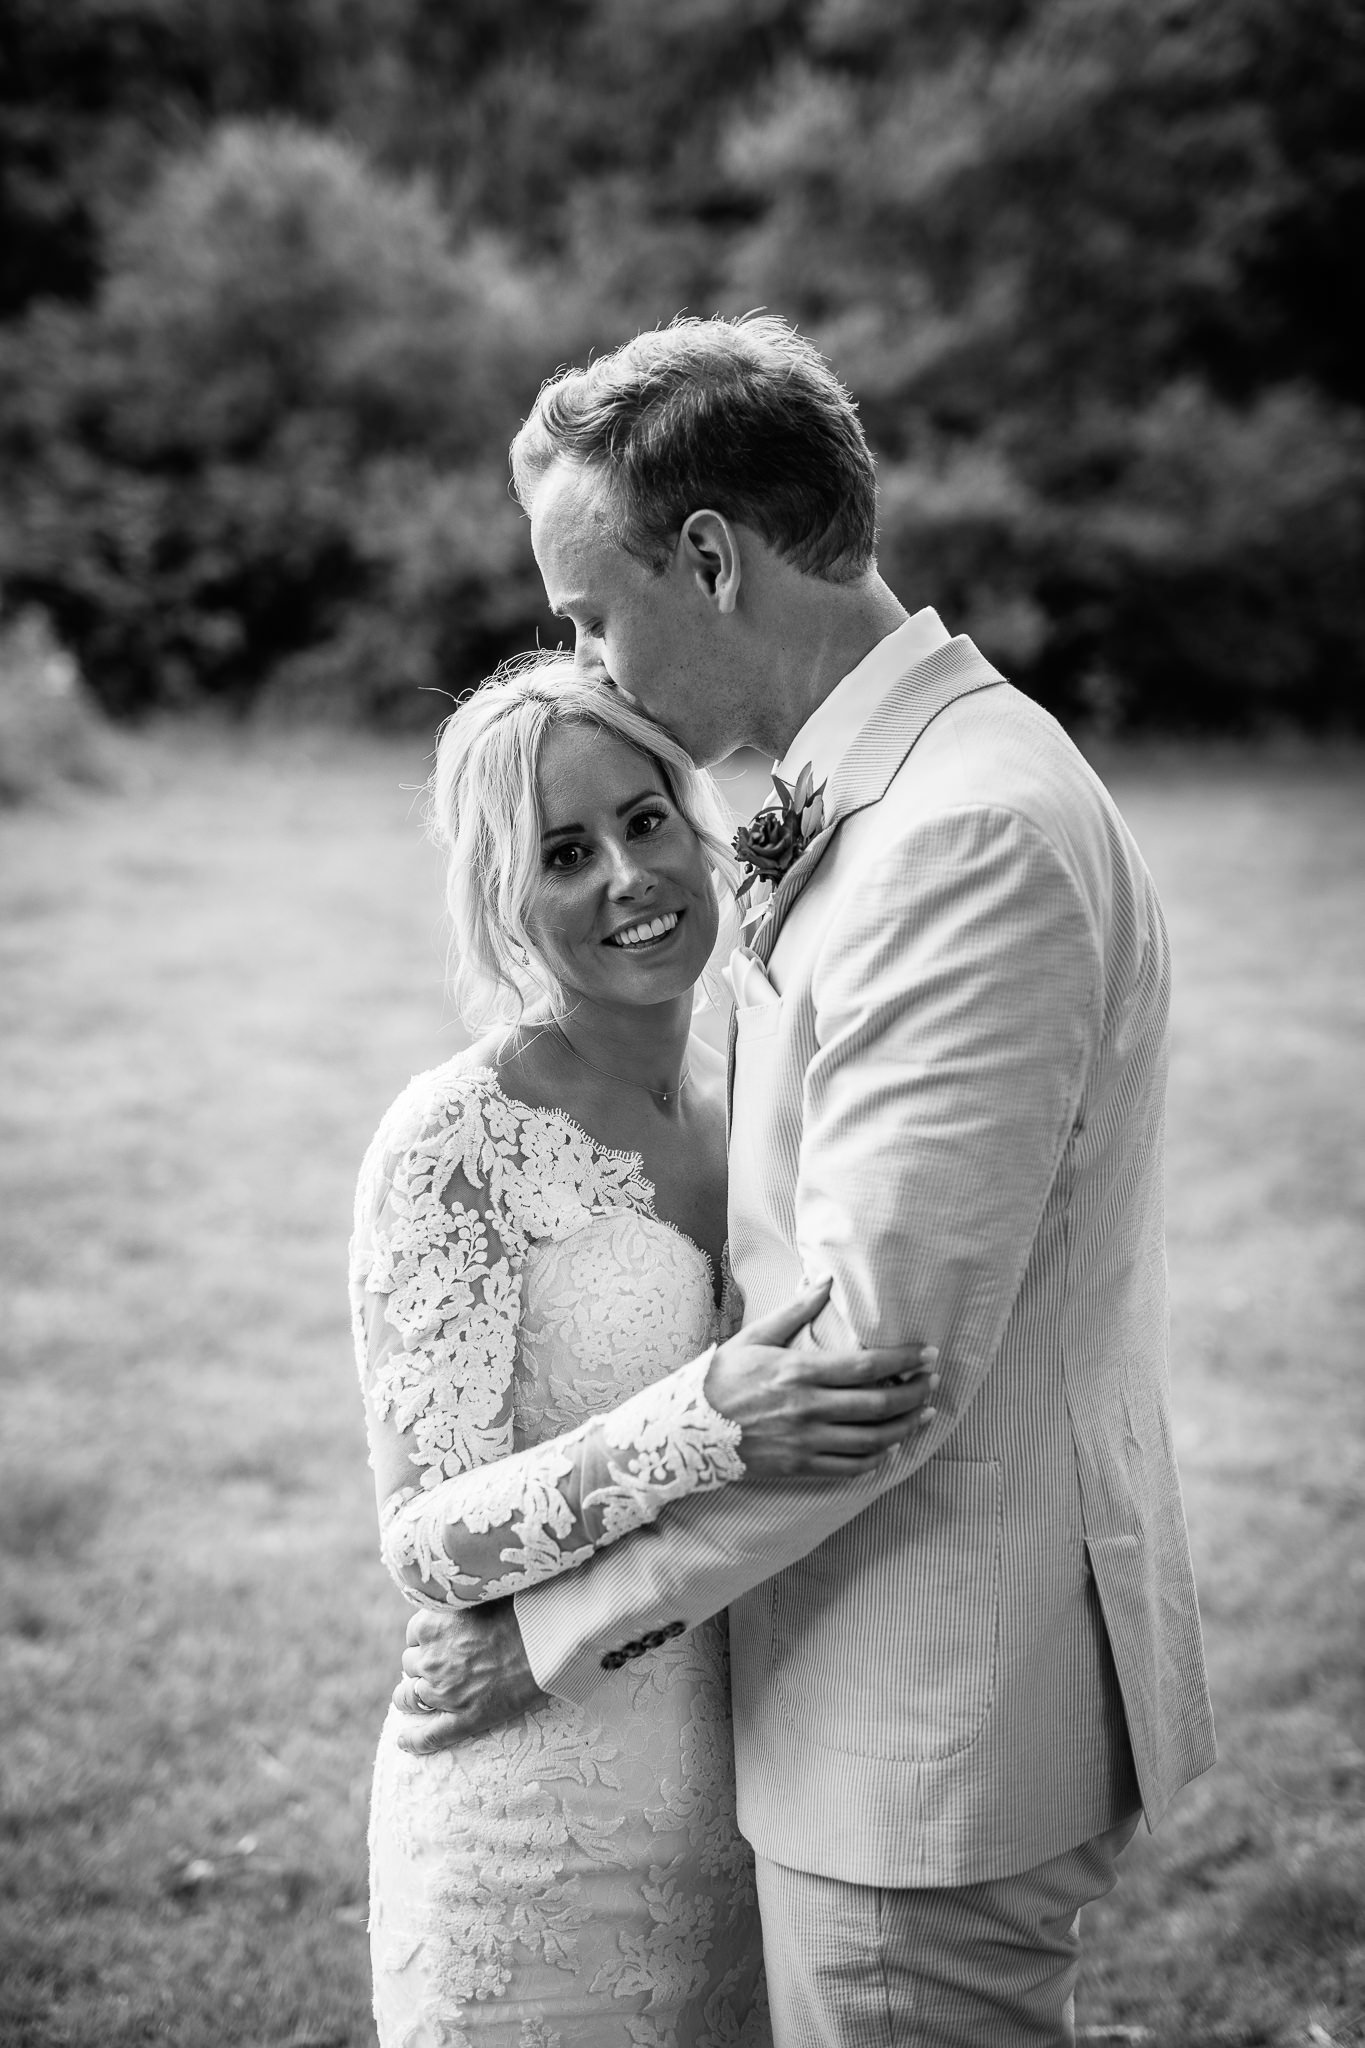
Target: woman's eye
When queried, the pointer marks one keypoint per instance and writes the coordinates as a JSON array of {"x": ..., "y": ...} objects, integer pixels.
[
  {"x": 645, "y": 822},
  {"x": 565, "y": 857}
]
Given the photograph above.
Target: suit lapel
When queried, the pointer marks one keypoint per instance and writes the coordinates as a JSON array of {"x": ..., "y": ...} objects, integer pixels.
[
  {"x": 865, "y": 774},
  {"x": 787, "y": 891},
  {"x": 958, "y": 669}
]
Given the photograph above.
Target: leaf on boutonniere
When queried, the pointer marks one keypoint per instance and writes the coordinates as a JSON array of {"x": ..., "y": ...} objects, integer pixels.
[{"x": 774, "y": 840}]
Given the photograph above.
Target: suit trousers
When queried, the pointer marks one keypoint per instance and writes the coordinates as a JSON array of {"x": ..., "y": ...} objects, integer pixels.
[{"x": 989, "y": 1965}]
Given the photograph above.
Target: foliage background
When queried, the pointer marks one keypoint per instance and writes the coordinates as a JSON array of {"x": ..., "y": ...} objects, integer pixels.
[{"x": 280, "y": 276}]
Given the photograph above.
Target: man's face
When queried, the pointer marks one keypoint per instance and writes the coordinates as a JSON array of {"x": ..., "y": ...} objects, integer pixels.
[{"x": 654, "y": 637}]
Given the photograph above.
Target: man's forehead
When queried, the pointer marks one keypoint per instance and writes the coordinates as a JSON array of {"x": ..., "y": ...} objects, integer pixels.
[
  {"x": 568, "y": 500},
  {"x": 571, "y": 533}
]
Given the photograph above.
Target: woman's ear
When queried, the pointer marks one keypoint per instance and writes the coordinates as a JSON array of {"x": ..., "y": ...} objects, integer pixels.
[{"x": 709, "y": 549}]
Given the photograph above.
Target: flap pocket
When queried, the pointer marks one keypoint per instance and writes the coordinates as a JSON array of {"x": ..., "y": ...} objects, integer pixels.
[{"x": 885, "y": 1637}]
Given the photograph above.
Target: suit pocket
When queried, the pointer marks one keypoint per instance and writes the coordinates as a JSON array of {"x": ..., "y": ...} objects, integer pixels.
[
  {"x": 757, "y": 1020},
  {"x": 885, "y": 1638}
]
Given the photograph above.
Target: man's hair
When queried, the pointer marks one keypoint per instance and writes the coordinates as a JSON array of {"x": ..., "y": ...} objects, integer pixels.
[{"x": 742, "y": 417}]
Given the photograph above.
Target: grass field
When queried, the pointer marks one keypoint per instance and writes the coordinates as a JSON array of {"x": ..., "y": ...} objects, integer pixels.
[{"x": 212, "y": 981}]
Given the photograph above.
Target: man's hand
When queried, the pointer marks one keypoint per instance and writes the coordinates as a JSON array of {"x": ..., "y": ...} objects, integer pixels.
[{"x": 464, "y": 1671}]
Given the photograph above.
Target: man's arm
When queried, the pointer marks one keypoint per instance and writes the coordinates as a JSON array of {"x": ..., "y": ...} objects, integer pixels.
[
  {"x": 957, "y": 1008},
  {"x": 820, "y": 1411}
]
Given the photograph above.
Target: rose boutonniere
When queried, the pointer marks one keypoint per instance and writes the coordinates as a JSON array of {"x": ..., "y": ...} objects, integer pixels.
[{"x": 775, "y": 840}]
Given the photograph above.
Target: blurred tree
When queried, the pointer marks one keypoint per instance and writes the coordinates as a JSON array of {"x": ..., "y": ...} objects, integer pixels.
[
  {"x": 268, "y": 444},
  {"x": 87, "y": 92},
  {"x": 1091, "y": 267},
  {"x": 1054, "y": 252},
  {"x": 1306, "y": 280}
]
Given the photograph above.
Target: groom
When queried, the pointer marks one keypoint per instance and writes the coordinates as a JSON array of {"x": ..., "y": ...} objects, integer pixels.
[{"x": 960, "y": 1680}]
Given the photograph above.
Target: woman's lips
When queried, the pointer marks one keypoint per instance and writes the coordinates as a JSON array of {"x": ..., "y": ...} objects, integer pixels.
[{"x": 632, "y": 937}]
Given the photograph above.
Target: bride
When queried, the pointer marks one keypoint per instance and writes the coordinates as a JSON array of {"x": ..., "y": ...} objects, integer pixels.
[{"x": 543, "y": 1326}]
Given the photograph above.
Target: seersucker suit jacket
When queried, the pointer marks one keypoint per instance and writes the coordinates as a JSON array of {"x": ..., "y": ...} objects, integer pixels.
[{"x": 953, "y": 1101}]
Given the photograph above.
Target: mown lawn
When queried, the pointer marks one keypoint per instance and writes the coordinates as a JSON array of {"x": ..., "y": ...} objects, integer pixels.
[{"x": 211, "y": 983}]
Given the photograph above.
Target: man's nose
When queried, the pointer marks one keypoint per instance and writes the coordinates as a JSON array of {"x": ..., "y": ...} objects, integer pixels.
[{"x": 587, "y": 658}]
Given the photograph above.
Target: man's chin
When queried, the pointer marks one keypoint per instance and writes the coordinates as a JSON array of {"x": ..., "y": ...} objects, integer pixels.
[
  {"x": 635, "y": 703},
  {"x": 667, "y": 724}
]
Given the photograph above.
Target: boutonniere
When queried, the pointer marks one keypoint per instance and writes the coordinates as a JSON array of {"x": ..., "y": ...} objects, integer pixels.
[{"x": 775, "y": 840}]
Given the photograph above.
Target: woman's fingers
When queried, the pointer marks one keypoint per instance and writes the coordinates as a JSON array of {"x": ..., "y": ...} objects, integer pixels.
[
  {"x": 870, "y": 1404},
  {"x": 850, "y": 1429},
  {"x": 785, "y": 1323},
  {"x": 864, "y": 1439},
  {"x": 868, "y": 1368},
  {"x": 810, "y": 1413},
  {"x": 829, "y": 1465}
]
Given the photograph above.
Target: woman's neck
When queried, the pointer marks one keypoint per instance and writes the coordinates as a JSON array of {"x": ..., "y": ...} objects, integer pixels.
[{"x": 642, "y": 1049}]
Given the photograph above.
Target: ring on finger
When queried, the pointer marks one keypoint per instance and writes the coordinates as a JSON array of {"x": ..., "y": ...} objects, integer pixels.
[{"x": 423, "y": 1706}]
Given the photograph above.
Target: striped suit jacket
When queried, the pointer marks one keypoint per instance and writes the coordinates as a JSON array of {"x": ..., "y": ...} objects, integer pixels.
[{"x": 988, "y": 1650}]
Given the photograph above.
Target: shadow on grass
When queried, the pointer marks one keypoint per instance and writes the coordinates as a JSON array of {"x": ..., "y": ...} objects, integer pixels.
[{"x": 43, "y": 1514}]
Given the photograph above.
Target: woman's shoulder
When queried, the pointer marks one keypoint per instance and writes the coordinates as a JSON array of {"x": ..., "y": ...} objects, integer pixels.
[
  {"x": 434, "y": 1100},
  {"x": 535, "y": 1165}
]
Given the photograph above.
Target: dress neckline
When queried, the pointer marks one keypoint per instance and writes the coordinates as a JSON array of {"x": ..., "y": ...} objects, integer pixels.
[{"x": 632, "y": 1158}]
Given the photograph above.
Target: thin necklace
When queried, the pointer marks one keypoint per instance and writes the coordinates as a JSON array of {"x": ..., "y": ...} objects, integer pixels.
[{"x": 664, "y": 1095}]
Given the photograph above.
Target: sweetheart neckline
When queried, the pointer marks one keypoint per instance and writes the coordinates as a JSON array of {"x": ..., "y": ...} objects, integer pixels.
[{"x": 651, "y": 1210}]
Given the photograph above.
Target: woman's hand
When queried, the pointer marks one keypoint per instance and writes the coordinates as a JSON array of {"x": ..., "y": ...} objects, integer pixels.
[{"x": 817, "y": 1414}]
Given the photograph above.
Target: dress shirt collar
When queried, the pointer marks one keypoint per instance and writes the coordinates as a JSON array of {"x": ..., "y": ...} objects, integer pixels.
[{"x": 835, "y": 723}]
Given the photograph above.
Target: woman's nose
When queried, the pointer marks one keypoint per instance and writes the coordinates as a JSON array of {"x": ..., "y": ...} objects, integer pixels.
[{"x": 630, "y": 875}]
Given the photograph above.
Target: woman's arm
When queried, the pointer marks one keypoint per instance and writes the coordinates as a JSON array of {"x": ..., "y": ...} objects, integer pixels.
[
  {"x": 538, "y": 1512},
  {"x": 438, "y": 1307},
  {"x": 437, "y": 1288},
  {"x": 525, "y": 1516}
]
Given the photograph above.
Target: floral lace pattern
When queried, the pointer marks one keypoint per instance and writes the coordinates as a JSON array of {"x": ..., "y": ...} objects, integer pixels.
[
  {"x": 562, "y": 1500},
  {"x": 538, "y": 1337}
]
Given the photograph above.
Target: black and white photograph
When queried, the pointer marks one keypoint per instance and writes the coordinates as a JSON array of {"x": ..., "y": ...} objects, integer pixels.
[{"x": 682, "y": 1023}]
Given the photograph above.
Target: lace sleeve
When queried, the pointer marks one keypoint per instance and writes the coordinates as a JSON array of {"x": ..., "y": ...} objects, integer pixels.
[
  {"x": 435, "y": 1289},
  {"x": 441, "y": 1235}
]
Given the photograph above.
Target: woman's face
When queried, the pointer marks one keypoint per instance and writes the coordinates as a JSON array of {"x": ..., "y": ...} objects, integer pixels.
[{"x": 622, "y": 911}]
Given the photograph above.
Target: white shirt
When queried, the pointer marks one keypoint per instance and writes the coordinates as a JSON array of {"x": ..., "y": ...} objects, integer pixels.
[
  {"x": 835, "y": 723},
  {"x": 826, "y": 737}
]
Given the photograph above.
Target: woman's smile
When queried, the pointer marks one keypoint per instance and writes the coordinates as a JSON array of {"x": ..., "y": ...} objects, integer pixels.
[{"x": 648, "y": 932}]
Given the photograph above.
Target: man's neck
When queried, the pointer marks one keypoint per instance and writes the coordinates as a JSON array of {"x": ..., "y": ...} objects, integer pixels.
[{"x": 828, "y": 630}]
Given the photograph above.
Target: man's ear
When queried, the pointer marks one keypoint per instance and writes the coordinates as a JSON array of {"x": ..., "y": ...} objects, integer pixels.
[{"x": 708, "y": 548}]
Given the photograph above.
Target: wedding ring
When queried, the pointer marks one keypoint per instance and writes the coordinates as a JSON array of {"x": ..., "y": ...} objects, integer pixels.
[{"x": 423, "y": 1706}]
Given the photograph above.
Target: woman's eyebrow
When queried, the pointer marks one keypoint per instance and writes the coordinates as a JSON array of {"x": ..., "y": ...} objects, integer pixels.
[
  {"x": 569, "y": 831},
  {"x": 638, "y": 798}
]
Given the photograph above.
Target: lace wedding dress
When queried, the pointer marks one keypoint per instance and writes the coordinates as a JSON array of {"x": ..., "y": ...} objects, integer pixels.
[{"x": 525, "y": 1321}]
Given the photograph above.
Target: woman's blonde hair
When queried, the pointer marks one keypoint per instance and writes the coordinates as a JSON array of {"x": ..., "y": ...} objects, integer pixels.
[{"x": 484, "y": 812}]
